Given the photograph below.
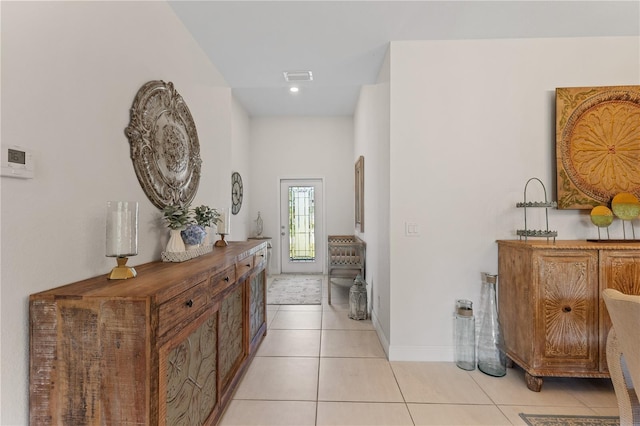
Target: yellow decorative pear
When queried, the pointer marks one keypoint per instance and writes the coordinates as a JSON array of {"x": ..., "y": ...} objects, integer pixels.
[{"x": 626, "y": 206}]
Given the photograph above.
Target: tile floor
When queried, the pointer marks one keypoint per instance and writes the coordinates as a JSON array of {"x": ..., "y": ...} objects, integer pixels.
[{"x": 318, "y": 367}]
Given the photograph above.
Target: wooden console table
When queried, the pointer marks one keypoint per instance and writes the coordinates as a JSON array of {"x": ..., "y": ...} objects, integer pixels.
[
  {"x": 551, "y": 311},
  {"x": 167, "y": 347}
]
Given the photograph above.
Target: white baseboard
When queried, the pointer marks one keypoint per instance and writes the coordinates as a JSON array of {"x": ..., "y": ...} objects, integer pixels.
[
  {"x": 411, "y": 353},
  {"x": 421, "y": 353},
  {"x": 383, "y": 338}
]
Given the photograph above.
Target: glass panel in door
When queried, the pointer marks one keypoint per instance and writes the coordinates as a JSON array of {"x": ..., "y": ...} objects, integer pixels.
[{"x": 301, "y": 206}]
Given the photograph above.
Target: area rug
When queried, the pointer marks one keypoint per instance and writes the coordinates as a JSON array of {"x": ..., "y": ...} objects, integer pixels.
[
  {"x": 557, "y": 420},
  {"x": 295, "y": 291}
]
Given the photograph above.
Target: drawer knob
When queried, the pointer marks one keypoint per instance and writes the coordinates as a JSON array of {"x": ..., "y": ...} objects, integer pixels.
[
  {"x": 566, "y": 309},
  {"x": 248, "y": 265},
  {"x": 189, "y": 303},
  {"x": 226, "y": 279}
]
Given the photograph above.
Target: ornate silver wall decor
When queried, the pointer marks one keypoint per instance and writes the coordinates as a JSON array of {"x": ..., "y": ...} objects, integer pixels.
[{"x": 164, "y": 145}]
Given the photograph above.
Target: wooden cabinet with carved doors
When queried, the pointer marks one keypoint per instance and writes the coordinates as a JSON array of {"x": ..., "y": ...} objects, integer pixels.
[
  {"x": 552, "y": 315},
  {"x": 168, "y": 347}
]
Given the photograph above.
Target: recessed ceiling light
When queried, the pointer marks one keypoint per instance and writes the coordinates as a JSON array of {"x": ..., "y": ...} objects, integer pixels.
[
  {"x": 298, "y": 75},
  {"x": 294, "y": 89}
]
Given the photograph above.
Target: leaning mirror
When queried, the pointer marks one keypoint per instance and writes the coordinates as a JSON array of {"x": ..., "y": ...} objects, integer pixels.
[{"x": 164, "y": 145}]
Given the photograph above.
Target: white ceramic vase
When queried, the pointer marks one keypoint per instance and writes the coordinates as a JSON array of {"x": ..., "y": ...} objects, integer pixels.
[
  {"x": 175, "y": 244},
  {"x": 207, "y": 238}
]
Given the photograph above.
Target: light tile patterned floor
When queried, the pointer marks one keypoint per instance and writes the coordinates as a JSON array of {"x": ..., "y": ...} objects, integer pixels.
[{"x": 318, "y": 367}]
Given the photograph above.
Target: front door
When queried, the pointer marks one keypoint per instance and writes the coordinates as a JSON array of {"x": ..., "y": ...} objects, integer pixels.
[{"x": 301, "y": 226}]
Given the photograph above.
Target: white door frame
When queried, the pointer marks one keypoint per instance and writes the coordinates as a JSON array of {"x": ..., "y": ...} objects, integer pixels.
[{"x": 317, "y": 267}]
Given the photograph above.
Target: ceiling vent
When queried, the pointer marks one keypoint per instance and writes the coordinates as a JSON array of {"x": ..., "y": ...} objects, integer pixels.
[{"x": 298, "y": 75}]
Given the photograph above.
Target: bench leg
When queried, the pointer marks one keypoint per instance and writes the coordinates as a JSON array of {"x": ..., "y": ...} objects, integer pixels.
[{"x": 329, "y": 289}]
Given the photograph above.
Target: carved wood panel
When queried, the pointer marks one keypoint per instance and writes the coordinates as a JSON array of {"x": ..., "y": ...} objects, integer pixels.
[
  {"x": 568, "y": 301},
  {"x": 619, "y": 270},
  {"x": 231, "y": 336},
  {"x": 597, "y": 144}
]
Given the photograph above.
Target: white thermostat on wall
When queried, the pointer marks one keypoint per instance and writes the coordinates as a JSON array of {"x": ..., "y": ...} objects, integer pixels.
[{"x": 17, "y": 162}]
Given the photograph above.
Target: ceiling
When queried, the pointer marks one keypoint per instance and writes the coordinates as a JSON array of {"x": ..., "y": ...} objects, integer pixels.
[{"x": 344, "y": 42}]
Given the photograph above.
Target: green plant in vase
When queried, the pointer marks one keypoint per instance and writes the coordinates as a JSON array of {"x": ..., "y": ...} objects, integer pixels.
[
  {"x": 205, "y": 217},
  {"x": 177, "y": 219}
]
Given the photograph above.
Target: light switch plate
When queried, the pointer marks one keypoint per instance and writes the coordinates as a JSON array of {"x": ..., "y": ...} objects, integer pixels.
[{"x": 411, "y": 229}]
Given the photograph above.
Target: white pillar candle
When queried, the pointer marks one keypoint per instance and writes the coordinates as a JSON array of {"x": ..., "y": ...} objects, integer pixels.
[
  {"x": 221, "y": 223},
  {"x": 122, "y": 228},
  {"x": 224, "y": 222}
]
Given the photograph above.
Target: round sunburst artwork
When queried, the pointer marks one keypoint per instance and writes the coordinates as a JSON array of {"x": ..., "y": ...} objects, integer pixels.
[{"x": 598, "y": 144}]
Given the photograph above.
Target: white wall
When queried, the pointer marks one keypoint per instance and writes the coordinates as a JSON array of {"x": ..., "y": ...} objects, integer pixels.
[
  {"x": 70, "y": 71},
  {"x": 302, "y": 147},
  {"x": 240, "y": 159},
  {"x": 471, "y": 121},
  {"x": 371, "y": 136}
]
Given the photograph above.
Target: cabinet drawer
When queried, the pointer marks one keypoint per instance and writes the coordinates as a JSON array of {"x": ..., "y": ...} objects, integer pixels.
[
  {"x": 182, "y": 307},
  {"x": 243, "y": 266},
  {"x": 260, "y": 257},
  {"x": 223, "y": 280}
]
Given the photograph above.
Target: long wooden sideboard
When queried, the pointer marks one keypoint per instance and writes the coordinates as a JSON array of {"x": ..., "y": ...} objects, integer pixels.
[
  {"x": 550, "y": 306},
  {"x": 167, "y": 347}
]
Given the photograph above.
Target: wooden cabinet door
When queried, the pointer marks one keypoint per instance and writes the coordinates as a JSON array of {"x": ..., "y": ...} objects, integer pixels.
[
  {"x": 231, "y": 344},
  {"x": 619, "y": 269},
  {"x": 189, "y": 391},
  {"x": 566, "y": 306},
  {"x": 257, "y": 307}
]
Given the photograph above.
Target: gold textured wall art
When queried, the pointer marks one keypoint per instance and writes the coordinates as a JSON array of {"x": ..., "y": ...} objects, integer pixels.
[{"x": 597, "y": 144}]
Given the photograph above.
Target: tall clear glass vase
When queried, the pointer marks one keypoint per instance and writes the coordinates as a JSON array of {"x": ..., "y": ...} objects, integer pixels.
[
  {"x": 491, "y": 358},
  {"x": 465, "y": 335}
]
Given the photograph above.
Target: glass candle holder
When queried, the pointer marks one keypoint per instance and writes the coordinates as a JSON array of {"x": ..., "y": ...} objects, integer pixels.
[{"x": 122, "y": 236}]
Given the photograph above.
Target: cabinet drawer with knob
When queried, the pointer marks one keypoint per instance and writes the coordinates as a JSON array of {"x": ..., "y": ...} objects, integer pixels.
[
  {"x": 243, "y": 266},
  {"x": 222, "y": 281},
  {"x": 182, "y": 307},
  {"x": 260, "y": 257}
]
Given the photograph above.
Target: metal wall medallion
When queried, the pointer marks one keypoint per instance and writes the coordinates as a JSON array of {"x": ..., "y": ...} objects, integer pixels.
[{"x": 164, "y": 145}]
